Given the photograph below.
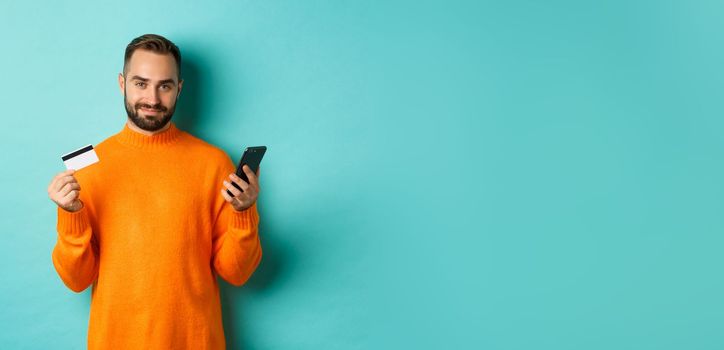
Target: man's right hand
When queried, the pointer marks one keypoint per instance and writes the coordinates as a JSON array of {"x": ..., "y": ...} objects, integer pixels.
[{"x": 64, "y": 190}]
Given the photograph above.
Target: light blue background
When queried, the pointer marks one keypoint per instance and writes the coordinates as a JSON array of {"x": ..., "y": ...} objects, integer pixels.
[{"x": 467, "y": 175}]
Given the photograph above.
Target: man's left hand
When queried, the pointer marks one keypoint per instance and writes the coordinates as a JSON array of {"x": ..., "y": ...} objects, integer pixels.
[{"x": 242, "y": 200}]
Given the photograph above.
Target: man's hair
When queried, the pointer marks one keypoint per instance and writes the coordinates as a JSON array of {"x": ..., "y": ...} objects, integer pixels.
[{"x": 154, "y": 43}]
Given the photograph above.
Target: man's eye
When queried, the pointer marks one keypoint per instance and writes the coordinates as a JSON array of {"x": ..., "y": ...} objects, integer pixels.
[
  {"x": 165, "y": 87},
  {"x": 140, "y": 84}
]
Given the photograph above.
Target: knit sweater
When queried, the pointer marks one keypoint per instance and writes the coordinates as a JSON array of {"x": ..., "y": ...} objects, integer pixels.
[{"x": 151, "y": 238}]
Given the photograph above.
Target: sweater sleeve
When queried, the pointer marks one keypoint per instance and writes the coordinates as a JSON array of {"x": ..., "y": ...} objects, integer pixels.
[
  {"x": 75, "y": 255},
  {"x": 236, "y": 245}
]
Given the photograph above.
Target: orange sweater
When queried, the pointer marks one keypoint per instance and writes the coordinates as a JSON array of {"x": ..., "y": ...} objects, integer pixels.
[{"x": 153, "y": 234}]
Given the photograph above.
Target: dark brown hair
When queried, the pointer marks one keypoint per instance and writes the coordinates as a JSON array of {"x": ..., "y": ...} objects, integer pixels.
[{"x": 154, "y": 43}]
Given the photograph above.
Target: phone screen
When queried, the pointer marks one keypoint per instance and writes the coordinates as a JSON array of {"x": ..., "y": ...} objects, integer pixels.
[{"x": 252, "y": 157}]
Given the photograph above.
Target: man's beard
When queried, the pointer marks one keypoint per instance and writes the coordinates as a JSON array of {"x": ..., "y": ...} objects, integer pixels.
[{"x": 150, "y": 123}]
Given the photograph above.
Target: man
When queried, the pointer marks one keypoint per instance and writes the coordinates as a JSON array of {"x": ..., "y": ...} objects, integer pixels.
[{"x": 152, "y": 224}]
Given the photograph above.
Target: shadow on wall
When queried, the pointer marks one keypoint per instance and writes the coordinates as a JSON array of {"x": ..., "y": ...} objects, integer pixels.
[
  {"x": 190, "y": 103},
  {"x": 189, "y": 116},
  {"x": 275, "y": 260}
]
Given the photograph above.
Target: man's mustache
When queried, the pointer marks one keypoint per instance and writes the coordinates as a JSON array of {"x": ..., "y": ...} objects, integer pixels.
[{"x": 157, "y": 107}]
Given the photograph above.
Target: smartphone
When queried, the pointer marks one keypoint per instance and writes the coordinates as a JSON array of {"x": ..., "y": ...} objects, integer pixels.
[{"x": 252, "y": 157}]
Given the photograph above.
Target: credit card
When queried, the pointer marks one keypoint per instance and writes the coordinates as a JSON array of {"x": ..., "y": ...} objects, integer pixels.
[{"x": 80, "y": 158}]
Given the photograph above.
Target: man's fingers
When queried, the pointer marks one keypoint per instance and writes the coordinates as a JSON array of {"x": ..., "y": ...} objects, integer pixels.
[
  {"x": 235, "y": 191},
  {"x": 239, "y": 181},
  {"x": 60, "y": 182},
  {"x": 250, "y": 175},
  {"x": 53, "y": 183},
  {"x": 252, "y": 190},
  {"x": 64, "y": 190},
  {"x": 59, "y": 176},
  {"x": 70, "y": 197},
  {"x": 64, "y": 173},
  {"x": 226, "y": 196},
  {"x": 70, "y": 186},
  {"x": 241, "y": 198}
]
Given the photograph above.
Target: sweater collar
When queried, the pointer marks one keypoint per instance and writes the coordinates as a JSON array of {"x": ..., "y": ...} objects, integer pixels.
[{"x": 133, "y": 138}]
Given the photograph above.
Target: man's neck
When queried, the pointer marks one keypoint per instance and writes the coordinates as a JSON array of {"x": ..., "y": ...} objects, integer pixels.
[{"x": 146, "y": 132}]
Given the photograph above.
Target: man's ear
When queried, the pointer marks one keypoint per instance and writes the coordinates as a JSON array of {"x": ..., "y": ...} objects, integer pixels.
[
  {"x": 180, "y": 86},
  {"x": 121, "y": 83}
]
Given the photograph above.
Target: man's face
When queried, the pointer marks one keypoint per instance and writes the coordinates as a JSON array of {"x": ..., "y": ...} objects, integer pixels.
[{"x": 150, "y": 88}]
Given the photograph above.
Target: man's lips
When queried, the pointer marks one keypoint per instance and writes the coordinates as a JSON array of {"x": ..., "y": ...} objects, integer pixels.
[{"x": 152, "y": 111}]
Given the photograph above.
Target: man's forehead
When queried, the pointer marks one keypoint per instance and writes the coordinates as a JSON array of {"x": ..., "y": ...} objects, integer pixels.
[{"x": 151, "y": 66}]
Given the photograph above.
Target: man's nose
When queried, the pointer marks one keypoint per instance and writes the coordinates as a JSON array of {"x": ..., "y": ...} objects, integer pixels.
[{"x": 152, "y": 96}]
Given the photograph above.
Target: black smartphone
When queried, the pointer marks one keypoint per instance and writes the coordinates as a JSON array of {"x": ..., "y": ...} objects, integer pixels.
[{"x": 252, "y": 157}]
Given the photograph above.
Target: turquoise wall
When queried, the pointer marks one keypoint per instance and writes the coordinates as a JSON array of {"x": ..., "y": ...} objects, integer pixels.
[{"x": 440, "y": 175}]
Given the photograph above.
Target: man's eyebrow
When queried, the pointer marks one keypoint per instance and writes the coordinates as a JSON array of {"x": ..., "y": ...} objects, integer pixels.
[{"x": 165, "y": 81}]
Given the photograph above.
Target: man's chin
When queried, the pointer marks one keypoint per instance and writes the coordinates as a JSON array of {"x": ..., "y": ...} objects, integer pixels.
[{"x": 149, "y": 123}]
